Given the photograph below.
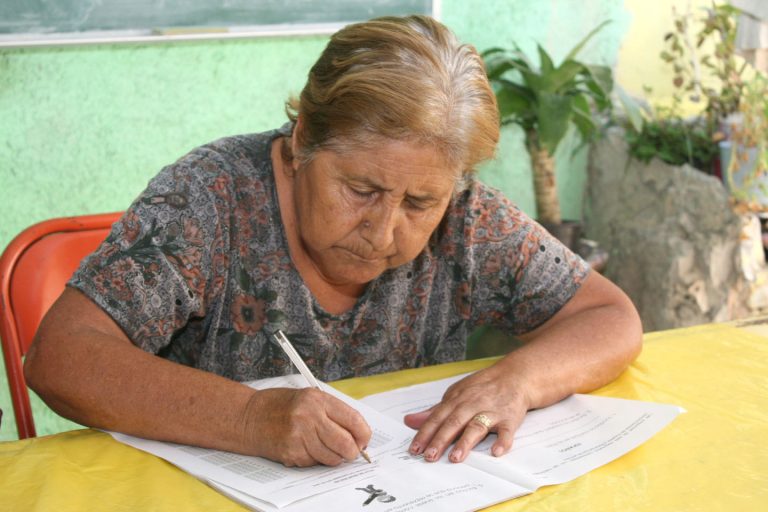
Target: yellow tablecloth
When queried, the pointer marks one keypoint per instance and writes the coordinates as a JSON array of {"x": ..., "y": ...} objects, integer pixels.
[{"x": 713, "y": 458}]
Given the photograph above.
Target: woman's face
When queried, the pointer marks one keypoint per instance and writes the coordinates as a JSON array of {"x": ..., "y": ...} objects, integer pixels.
[{"x": 362, "y": 212}]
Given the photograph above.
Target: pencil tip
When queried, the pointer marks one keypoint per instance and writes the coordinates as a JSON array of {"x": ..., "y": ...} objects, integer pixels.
[{"x": 366, "y": 456}]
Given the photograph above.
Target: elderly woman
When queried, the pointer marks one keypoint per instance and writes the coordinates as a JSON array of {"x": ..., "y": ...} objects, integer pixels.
[{"x": 358, "y": 229}]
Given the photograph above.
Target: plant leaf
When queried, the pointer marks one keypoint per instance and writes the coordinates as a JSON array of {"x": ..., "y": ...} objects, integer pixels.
[
  {"x": 602, "y": 76},
  {"x": 631, "y": 109},
  {"x": 563, "y": 76},
  {"x": 513, "y": 99},
  {"x": 545, "y": 61},
  {"x": 494, "y": 68},
  {"x": 491, "y": 51},
  {"x": 576, "y": 49},
  {"x": 553, "y": 115},
  {"x": 519, "y": 54},
  {"x": 520, "y": 64},
  {"x": 535, "y": 82},
  {"x": 582, "y": 117}
]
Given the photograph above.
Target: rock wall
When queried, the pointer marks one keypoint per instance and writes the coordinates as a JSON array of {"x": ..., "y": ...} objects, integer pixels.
[{"x": 671, "y": 234}]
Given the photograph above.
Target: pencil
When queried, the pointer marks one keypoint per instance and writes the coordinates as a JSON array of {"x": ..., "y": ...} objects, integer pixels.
[{"x": 300, "y": 365}]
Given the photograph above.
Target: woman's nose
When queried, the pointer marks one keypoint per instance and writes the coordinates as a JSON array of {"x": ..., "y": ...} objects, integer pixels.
[{"x": 378, "y": 227}]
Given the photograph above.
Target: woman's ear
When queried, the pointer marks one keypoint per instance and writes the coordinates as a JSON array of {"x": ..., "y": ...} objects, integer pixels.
[{"x": 297, "y": 128}]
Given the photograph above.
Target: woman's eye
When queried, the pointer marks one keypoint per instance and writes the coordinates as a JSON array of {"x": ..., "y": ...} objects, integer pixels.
[
  {"x": 416, "y": 205},
  {"x": 362, "y": 192}
]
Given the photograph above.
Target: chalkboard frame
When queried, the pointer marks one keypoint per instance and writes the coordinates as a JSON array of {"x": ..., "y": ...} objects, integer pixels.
[{"x": 193, "y": 33}]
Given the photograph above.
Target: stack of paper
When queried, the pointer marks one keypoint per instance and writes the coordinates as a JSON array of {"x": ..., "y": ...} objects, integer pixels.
[{"x": 552, "y": 446}]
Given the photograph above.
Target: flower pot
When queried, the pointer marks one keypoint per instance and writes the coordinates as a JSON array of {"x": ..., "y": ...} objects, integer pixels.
[{"x": 743, "y": 178}]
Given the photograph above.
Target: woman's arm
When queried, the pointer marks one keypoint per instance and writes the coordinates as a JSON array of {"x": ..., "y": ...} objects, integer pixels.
[
  {"x": 587, "y": 344},
  {"x": 86, "y": 369}
]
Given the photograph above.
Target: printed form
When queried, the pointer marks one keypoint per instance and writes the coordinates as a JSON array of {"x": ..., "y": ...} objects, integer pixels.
[
  {"x": 271, "y": 481},
  {"x": 553, "y": 445}
]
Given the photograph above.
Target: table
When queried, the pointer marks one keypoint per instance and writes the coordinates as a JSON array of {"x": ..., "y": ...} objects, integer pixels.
[{"x": 713, "y": 458}]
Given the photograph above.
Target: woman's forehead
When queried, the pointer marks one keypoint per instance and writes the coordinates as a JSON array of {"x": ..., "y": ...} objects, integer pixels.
[{"x": 391, "y": 163}]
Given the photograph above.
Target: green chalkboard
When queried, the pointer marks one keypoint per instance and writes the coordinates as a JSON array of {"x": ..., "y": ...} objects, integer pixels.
[{"x": 38, "y": 21}]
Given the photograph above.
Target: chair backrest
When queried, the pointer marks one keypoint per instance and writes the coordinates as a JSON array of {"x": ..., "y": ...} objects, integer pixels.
[{"x": 33, "y": 271}]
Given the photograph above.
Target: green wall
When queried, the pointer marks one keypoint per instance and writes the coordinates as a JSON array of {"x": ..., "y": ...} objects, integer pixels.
[{"x": 82, "y": 129}]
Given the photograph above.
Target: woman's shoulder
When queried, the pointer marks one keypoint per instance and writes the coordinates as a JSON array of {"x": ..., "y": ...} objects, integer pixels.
[
  {"x": 227, "y": 166},
  {"x": 479, "y": 212},
  {"x": 234, "y": 154}
]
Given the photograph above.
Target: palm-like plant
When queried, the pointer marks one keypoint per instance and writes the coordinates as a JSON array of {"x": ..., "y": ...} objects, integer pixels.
[{"x": 544, "y": 101}]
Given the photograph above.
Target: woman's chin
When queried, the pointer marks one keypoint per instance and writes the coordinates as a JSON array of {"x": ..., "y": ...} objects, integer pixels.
[{"x": 360, "y": 272}]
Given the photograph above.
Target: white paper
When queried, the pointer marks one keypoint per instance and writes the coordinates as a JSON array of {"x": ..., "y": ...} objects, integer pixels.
[
  {"x": 553, "y": 445},
  {"x": 271, "y": 481},
  {"x": 420, "y": 486}
]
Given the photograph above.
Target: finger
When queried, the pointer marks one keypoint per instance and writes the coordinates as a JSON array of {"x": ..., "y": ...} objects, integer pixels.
[
  {"x": 337, "y": 439},
  {"x": 417, "y": 419},
  {"x": 429, "y": 422},
  {"x": 506, "y": 433},
  {"x": 351, "y": 422},
  {"x": 428, "y": 428},
  {"x": 299, "y": 437},
  {"x": 475, "y": 431},
  {"x": 444, "y": 434},
  {"x": 323, "y": 454}
]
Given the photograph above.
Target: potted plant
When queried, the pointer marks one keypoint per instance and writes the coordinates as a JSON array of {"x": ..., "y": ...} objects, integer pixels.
[
  {"x": 722, "y": 89},
  {"x": 729, "y": 136},
  {"x": 702, "y": 53},
  {"x": 675, "y": 242},
  {"x": 745, "y": 153},
  {"x": 664, "y": 133},
  {"x": 544, "y": 101}
]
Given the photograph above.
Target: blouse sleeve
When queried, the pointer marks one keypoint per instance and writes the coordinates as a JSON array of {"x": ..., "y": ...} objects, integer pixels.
[
  {"x": 155, "y": 269},
  {"x": 519, "y": 275}
]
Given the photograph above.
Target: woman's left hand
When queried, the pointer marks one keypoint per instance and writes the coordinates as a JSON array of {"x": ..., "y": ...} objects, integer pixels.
[
  {"x": 585, "y": 345},
  {"x": 491, "y": 400}
]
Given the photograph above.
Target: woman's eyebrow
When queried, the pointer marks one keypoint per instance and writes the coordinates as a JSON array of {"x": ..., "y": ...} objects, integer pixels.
[
  {"x": 368, "y": 182},
  {"x": 425, "y": 198}
]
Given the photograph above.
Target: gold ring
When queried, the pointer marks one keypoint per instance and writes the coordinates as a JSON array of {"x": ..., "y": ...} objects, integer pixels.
[{"x": 483, "y": 420}]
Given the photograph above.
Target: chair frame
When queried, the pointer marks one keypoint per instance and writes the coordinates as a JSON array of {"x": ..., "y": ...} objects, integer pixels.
[{"x": 14, "y": 348}]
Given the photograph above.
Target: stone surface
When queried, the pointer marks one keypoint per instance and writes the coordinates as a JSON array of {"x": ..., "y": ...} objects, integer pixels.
[{"x": 673, "y": 239}]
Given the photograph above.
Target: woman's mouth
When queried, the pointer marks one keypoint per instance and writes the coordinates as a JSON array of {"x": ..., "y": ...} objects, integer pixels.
[{"x": 363, "y": 256}]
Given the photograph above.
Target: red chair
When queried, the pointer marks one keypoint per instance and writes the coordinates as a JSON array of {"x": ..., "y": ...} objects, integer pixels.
[{"x": 33, "y": 271}]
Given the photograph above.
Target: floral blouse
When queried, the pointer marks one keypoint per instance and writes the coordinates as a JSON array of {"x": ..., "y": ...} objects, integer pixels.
[{"x": 198, "y": 271}]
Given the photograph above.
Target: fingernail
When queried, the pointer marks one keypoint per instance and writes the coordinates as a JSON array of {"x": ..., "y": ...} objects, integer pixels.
[
  {"x": 497, "y": 451},
  {"x": 456, "y": 455},
  {"x": 415, "y": 448},
  {"x": 431, "y": 454}
]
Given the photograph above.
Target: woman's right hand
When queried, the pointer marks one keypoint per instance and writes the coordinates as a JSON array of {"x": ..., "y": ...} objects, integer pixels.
[{"x": 304, "y": 427}]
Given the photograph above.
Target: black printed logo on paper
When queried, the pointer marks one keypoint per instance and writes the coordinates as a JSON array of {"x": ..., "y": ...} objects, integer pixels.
[{"x": 375, "y": 494}]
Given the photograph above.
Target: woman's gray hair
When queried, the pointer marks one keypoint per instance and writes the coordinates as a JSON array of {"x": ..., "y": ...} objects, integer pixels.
[{"x": 398, "y": 78}]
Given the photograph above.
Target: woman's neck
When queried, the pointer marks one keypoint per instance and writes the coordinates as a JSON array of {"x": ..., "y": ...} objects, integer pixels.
[{"x": 333, "y": 298}]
